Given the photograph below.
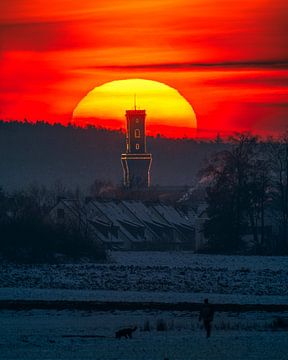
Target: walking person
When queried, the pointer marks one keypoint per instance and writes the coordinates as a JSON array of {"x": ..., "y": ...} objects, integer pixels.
[{"x": 207, "y": 315}]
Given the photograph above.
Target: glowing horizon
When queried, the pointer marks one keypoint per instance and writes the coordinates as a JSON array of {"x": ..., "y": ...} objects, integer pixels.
[
  {"x": 164, "y": 106},
  {"x": 229, "y": 60}
]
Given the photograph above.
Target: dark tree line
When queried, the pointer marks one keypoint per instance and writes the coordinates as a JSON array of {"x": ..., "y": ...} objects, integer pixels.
[
  {"x": 26, "y": 235},
  {"x": 247, "y": 196},
  {"x": 42, "y": 153}
]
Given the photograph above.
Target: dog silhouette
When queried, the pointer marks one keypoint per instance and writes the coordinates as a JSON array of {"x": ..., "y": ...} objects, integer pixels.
[{"x": 126, "y": 333}]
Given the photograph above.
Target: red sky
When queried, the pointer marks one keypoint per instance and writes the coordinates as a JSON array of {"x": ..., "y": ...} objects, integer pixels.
[{"x": 228, "y": 59}]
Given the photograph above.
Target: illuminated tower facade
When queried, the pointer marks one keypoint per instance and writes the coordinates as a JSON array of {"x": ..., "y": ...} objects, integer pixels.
[{"x": 136, "y": 162}]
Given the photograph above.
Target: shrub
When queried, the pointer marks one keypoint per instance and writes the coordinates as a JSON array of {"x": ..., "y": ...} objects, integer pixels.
[
  {"x": 280, "y": 323},
  {"x": 37, "y": 242},
  {"x": 161, "y": 325}
]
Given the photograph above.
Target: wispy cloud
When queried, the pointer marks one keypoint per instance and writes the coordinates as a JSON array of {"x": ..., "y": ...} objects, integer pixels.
[{"x": 231, "y": 65}]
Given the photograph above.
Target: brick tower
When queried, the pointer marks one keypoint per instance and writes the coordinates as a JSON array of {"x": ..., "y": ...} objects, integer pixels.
[{"x": 136, "y": 162}]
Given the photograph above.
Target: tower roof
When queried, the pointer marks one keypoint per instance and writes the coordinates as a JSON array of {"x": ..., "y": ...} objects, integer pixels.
[{"x": 135, "y": 112}]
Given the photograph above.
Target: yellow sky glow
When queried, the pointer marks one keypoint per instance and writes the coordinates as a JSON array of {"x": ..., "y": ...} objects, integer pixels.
[{"x": 163, "y": 104}]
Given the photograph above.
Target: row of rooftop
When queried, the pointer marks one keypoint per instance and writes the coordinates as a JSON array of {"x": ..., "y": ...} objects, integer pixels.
[{"x": 132, "y": 225}]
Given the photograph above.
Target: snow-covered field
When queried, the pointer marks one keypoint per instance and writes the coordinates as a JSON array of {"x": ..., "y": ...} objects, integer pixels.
[
  {"x": 148, "y": 276},
  {"x": 59, "y": 335},
  {"x": 142, "y": 276}
]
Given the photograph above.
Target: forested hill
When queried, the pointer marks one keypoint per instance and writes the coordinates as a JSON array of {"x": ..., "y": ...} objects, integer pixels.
[{"x": 45, "y": 154}]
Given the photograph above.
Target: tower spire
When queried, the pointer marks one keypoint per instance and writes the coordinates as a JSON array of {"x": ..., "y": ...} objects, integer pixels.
[{"x": 134, "y": 101}]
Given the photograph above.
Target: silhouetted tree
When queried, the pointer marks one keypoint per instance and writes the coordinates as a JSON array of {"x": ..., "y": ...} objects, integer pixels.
[
  {"x": 278, "y": 163},
  {"x": 42, "y": 153},
  {"x": 258, "y": 195},
  {"x": 218, "y": 139},
  {"x": 229, "y": 193},
  {"x": 27, "y": 237}
]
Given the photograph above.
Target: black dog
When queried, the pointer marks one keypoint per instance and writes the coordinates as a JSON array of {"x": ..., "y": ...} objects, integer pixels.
[{"x": 127, "y": 333}]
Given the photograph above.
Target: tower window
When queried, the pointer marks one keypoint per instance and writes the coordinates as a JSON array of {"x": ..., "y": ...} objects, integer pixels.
[
  {"x": 137, "y": 146},
  {"x": 137, "y": 133}
]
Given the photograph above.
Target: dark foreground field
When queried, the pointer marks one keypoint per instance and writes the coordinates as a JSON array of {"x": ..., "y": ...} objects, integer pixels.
[
  {"x": 71, "y": 311},
  {"x": 68, "y": 334}
]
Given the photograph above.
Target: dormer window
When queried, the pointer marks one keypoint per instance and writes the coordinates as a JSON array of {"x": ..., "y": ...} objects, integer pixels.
[{"x": 137, "y": 133}]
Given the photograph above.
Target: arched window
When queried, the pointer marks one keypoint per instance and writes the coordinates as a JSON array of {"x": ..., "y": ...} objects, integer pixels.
[
  {"x": 137, "y": 133},
  {"x": 137, "y": 146}
]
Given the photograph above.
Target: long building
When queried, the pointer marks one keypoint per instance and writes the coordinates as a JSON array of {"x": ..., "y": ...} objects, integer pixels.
[{"x": 129, "y": 225}]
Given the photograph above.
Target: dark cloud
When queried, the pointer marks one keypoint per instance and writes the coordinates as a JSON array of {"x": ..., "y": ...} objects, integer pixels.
[
  {"x": 274, "y": 78},
  {"x": 261, "y": 64}
]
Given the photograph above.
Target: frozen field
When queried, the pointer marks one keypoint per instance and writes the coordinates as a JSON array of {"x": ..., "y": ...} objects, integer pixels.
[
  {"x": 59, "y": 335},
  {"x": 142, "y": 276},
  {"x": 152, "y": 276}
]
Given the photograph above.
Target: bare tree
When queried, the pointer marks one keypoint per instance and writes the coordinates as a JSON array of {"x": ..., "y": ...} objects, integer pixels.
[
  {"x": 258, "y": 198},
  {"x": 229, "y": 194},
  {"x": 278, "y": 156}
]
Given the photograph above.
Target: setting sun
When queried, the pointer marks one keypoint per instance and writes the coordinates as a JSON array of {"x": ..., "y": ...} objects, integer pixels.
[{"x": 168, "y": 112}]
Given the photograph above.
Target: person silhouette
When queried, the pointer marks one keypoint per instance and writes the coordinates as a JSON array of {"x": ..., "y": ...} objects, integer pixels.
[{"x": 207, "y": 315}]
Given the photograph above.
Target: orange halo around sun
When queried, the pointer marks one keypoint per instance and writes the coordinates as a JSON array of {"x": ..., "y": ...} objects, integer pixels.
[{"x": 168, "y": 112}]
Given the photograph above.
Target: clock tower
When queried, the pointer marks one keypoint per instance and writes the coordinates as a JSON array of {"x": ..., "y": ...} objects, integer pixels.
[{"x": 136, "y": 162}]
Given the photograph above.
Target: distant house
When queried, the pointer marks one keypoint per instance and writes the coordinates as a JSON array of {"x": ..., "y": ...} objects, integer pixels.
[
  {"x": 128, "y": 225},
  {"x": 74, "y": 215},
  {"x": 68, "y": 212}
]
